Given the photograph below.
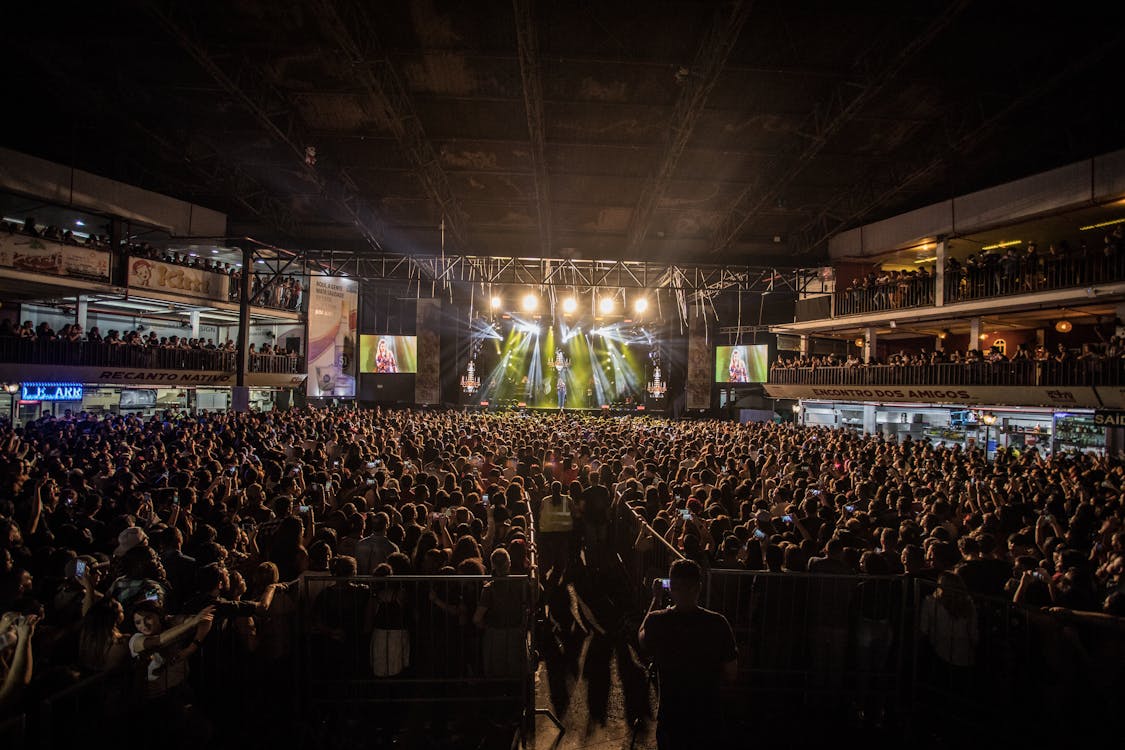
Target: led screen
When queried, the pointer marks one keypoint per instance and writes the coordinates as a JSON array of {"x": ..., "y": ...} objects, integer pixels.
[
  {"x": 742, "y": 364},
  {"x": 386, "y": 354}
]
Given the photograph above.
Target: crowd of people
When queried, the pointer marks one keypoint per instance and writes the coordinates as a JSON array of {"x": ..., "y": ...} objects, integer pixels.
[
  {"x": 987, "y": 273},
  {"x": 884, "y": 289},
  {"x": 1025, "y": 268},
  {"x": 1113, "y": 349},
  {"x": 179, "y": 543},
  {"x": 265, "y": 357}
]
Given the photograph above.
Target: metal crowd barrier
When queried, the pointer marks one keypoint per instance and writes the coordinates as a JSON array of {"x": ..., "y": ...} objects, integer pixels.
[
  {"x": 408, "y": 640},
  {"x": 1088, "y": 372},
  {"x": 1025, "y": 275},
  {"x": 832, "y": 639},
  {"x": 894, "y": 295},
  {"x": 644, "y": 554}
]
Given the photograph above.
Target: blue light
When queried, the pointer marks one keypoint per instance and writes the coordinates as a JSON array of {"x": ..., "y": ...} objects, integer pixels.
[{"x": 51, "y": 391}]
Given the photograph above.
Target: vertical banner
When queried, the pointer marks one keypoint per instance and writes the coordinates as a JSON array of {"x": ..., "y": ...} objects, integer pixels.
[
  {"x": 427, "y": 384},
  {"x": 699, "y": 363},
  {"x": 333, "y": 305}
]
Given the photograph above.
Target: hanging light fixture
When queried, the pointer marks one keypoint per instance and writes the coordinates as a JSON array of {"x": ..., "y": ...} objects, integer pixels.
[
  {"x": 469, "y": 381},
  {"x": 656, "y": 387},
  {"x": 859, "y": 342},
  {"x": 1064, "y": 326}
]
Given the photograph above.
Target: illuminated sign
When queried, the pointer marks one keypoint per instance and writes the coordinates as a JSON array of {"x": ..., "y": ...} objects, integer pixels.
[{"x": 51, "y": 391}]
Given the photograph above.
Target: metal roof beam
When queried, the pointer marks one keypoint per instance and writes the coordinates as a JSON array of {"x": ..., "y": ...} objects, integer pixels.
[
  {"x": 843, "y": 105},
  {"x": 712, "y": 55}
]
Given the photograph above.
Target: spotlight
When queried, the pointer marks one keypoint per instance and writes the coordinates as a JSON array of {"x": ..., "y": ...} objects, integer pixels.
[
  {"x": 605, "y": 305},
  {"x": 1064, "y": 326},
  {"x": 530, "y": 302},
  {"x": 640, "y": 305},
  {"x": 496, "y": 302},
  {"x": 570, "y": 305}
]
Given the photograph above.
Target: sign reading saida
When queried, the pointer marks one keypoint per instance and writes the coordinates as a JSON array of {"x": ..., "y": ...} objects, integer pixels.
[
  {"x": 1109, "y": 418},
  {"x": 51, "y": 391}
]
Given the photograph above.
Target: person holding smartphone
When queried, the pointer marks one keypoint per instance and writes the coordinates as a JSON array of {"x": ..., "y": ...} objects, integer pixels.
[{"x": 693, "y": 650}]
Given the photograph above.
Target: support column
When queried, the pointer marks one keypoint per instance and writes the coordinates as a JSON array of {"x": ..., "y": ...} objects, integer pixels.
[
  {"x": 974, "y": 334},
  {"x": 240, "y": 394},
  {"x": 193, "y": 316},
  {"x": 869, "y": 423},
  {"x": 1119, "y": 329},
  {"x": 870, "y": 341},
  {"x": 81, "y": 311},
  {"x": 939, "y": 344},
  {"x": 939, "y": 278},
  {"x": 804, "y": 345}
]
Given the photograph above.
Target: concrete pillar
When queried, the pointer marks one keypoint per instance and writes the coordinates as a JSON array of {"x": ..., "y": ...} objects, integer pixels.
[
  {"x": 804, "y": 346},
  {"x": 1040, "y": 336},
  {"x": 81, "y": 311},
  {"x": 939, "y": 344},
  {"x": 870, "y": 338},
  {"x": 939, "y": 280},
  {"x": 194, "y": 317},
  {"x": 1119, "y": 329},
  {"x": 869, "y": 424},
  {"x": 974, "y": 333}
]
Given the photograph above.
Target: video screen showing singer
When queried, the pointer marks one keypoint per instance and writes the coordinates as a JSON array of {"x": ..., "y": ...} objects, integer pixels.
[{"x": 736, "y": 372}]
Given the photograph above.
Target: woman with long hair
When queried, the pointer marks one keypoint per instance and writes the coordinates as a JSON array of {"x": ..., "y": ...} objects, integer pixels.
[
  {"x": 287, "y": 549},
  {"x": 556, "y": 524},
  {"x": 101, "y": 644}
]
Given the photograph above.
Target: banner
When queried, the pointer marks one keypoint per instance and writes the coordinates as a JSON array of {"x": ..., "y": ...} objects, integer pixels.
[
  {"x": 36, "y": 255},
  {"x": 167, "y": 277},
  {"x": 698, "y": 363},
  {"x": 427, "y": 385},
  {"x": 333, "y": 303},
  {"x": 966, "y": 395},
  {"x": 129, "y": 376}
]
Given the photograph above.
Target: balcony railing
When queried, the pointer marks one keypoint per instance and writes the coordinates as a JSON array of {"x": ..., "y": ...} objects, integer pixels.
[
  {"x": 893, "y": 295},
  {"x": 1024, "y": 275},
  {"x": 278, "y": 364},
  {"x": 90, "y": 354},
  {"x": 1091, "y": 372}
]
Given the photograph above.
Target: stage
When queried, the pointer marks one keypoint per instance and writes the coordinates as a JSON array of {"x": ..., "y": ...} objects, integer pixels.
[{"x": 615, "y": 410}]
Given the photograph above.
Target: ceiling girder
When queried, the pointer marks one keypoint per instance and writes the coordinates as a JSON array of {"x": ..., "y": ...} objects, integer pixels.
[
  {"x": 712, "y": 55},
  {"x": 844, "y": 104}
]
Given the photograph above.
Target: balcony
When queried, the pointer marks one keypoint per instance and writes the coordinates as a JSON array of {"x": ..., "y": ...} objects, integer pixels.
[
  {"x": 89, "y": 362},
  {"x": 1089, "y": 383},
  {"x": 1026, "y": 275},
  {"x": 901, "y": 295}
]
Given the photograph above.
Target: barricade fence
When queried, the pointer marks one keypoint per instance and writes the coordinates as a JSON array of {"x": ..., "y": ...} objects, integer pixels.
[
  {"x": 1084, "y": 372},
  {"x": 412, "y": 639},
  {"x": 644, "y": 554}
]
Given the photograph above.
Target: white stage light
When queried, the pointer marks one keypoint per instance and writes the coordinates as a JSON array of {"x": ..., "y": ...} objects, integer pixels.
[
  {"x": 606, "y": 305},
  {"x": 496, "y": 302},
  {"x": 530, "y": 302},
  {"x": 570, "y": 305},
  {"x": 640, "y": 304}
]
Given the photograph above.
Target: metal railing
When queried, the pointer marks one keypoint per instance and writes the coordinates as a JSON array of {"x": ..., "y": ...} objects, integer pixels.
[
  {"x": 91, "y": 354},
  {"x": 1071, "y": 373},
  {"x": 892, "y": 295},
  {"x": 277, "y": 364},
  {"x": 644, "y": 554},
  {"x": 1024, "y": 275},
  {"x": 837, "y": 638}
]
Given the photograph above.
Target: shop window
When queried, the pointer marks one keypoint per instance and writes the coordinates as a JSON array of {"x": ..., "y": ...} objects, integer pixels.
[{"x": 1001, "y": 346}]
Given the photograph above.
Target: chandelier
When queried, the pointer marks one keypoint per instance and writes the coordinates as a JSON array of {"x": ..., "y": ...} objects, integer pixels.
[
  {"x": 656, "y": 387},
  {"x": 469, "y": 381}
]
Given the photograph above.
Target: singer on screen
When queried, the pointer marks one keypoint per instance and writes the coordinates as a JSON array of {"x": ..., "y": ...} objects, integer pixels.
[
  {"x": 737, "y": 370},
  {"x": 385, "y": 358}
]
